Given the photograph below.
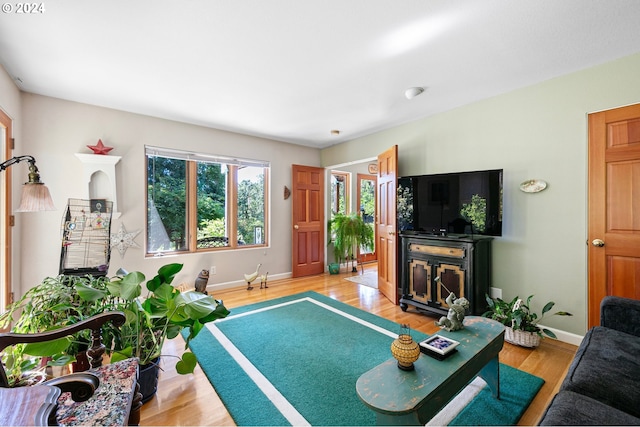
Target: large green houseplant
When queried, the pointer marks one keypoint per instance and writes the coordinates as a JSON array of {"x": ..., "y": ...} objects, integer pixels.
[
  {"x": 517, "y": 315},
  {"x": 349, "y": 232},
  {"x": 52, "y": 304},
  {"x": 160, "y": 314}
]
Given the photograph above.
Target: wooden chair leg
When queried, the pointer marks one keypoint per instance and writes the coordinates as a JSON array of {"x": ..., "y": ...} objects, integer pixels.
[{"x": 136, "y": 404}]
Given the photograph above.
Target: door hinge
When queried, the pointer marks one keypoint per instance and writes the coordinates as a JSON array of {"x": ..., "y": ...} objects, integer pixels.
[
  {"x": 13, "y": 143},
  {"x": 12, "y": 220},
  {"x": 11, "y": 298}
]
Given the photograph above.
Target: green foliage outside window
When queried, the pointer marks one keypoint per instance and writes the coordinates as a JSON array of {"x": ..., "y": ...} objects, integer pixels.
[
  {"x": 166, "y": 203},
  {"x": 167, "y": 218}
]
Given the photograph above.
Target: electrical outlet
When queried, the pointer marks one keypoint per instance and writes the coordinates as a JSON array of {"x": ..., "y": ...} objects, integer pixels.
[
  {"x": 495, "y": 293},
  {"x": 213, "y": 270}
]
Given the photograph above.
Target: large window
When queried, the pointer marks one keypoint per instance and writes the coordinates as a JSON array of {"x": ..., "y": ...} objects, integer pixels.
[
  {"x": 339, "y": 193},
  {"x": 199, "y": 202}
]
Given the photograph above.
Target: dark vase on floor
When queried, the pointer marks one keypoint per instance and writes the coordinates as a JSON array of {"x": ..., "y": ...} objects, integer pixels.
[{"x": 148, "y": 380}]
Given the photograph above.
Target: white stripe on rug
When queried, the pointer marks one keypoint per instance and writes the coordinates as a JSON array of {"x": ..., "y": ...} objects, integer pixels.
[
  {"x": 279, "y": 401},
  {"x": 444, "y": 417},
  {"x": 457, "y": 404}
]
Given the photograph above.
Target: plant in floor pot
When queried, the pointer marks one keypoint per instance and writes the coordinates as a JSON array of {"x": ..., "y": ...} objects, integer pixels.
[
  {"x": 162, "y": 314},
  {"x": 349, "y": 232},
  {"x": 521, "y": 323},
  {"x": 51, "y": 304}
]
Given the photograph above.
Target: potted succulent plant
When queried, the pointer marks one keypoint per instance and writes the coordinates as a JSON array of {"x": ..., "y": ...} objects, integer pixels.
[
  {"x": 521, "y": 323},
  {"x": 349, "y": 232}
]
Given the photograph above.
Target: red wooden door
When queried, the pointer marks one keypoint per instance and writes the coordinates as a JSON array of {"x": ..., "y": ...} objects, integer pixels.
[
  {"x": 386, "y": 224},
  {"x": 307, "y": 249},
  {"x": 614, "y": 206}
]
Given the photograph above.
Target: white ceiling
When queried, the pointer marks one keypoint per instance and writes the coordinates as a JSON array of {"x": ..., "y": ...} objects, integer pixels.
[{"x": 293, "y": 70}]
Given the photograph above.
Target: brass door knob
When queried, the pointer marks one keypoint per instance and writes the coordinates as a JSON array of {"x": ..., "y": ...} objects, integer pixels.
[
  {"x": 598, "y": 243},
  {"x": 296, "y": 226}
]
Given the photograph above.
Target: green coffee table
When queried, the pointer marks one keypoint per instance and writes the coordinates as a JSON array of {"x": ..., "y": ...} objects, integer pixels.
[{"x": 413, "y": 397}]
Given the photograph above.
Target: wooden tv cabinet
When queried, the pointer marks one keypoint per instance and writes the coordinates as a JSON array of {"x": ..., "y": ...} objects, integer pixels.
[{"x": 462, "y": 262}]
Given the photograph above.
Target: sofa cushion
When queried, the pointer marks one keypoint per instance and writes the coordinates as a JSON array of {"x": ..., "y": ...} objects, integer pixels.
[
  {"x": 607, "y": 368},
  {"x": 569, "y": 408}
]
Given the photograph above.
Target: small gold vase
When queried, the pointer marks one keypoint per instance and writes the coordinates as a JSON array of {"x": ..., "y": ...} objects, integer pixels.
[{"x": 405, "y": 350}]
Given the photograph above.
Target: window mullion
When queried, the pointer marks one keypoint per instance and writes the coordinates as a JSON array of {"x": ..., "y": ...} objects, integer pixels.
[
  {"x": 232, "y": 205},
  {"x": 192, "y": 204},
  {"x": 267, "y": 186}
]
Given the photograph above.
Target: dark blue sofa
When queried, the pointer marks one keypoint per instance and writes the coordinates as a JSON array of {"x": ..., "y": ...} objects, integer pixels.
[{"x": 602, "y": 386}]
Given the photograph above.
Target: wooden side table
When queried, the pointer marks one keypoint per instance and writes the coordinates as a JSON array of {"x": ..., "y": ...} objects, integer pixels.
[
  {"x": 413, "y": 397},
  {"x": 116, "y": 401}
]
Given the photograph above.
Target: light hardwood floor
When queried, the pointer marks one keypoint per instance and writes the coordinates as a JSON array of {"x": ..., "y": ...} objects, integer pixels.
[{"x": 191, "y": 400}]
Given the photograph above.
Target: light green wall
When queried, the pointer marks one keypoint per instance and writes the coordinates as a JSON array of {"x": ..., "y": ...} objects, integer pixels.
[{"x": 536, "y": 132}]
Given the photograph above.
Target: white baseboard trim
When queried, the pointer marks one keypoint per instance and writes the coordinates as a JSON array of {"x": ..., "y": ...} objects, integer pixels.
[
  {"x": 564, "y": 336},
  {"x": 242, "y": 283}
]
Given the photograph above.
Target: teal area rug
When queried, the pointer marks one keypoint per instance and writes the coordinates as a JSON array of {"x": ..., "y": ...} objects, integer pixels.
[{"x": 295, "y": 361}]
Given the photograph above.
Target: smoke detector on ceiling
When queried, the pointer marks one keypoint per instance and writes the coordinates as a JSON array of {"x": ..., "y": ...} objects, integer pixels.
[{"x": 412, "y": 92}]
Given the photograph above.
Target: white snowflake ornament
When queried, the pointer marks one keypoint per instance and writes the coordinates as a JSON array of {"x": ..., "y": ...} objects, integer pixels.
[{"x": 123, "y": 240}]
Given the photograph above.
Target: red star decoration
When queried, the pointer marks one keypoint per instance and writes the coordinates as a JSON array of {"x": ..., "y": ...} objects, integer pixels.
[{"x": 100, "y": 148}]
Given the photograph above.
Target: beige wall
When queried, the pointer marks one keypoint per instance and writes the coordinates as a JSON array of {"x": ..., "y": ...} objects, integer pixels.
[
  {"x": 55, "y": 129},
  {"x": 536, "y": 132},
  {"x": 10, "y": 103}
]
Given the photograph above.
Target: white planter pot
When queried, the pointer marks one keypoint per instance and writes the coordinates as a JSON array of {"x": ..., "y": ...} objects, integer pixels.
[{"x": 521, "y": 338}]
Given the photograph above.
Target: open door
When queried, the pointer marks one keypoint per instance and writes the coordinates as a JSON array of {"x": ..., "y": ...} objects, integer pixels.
[
  {"x": 366, "y": 203},
  {"x": 308, "y": 225},
  {"x": 386, "y": 224},
  {"x": 614, "y": 207}
]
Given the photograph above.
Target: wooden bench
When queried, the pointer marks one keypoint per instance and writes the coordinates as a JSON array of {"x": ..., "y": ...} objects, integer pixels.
[{"x": 413, "y": 397}]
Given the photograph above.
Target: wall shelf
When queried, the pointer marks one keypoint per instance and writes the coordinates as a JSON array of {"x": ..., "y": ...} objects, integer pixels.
[{"x": 100, "y": 178}]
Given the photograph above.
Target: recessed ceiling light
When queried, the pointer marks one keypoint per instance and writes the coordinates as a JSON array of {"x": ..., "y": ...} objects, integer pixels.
[{"x": 412, "y": 92}]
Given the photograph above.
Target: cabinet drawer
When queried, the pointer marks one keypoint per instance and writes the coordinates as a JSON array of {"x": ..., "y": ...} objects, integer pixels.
[{"x": 437, "y": 250}]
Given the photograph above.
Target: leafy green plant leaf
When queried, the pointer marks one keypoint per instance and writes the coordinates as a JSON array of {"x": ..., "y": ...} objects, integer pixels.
[
  {"x": 187, "y": 363},
  {"x": 219, "y": 313},
  {"x": 173, "y": 331},
  {"x": 61, "y": 360},
  {"x": 196, "y": 305},
  {"x": 88, "y": 293},
  {"x": 49, "y": 347},
  {"x": 547, "y": 307},
  {"x": 123, "y": 354}
]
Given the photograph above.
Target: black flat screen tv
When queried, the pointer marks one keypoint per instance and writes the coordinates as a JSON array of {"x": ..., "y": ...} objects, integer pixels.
[{"x": 463, "y": 203}]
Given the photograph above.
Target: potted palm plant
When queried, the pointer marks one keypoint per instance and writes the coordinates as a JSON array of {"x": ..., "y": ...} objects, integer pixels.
[
  {"x": 349, "y": 232},
  {"x": 521, "y": 322}
]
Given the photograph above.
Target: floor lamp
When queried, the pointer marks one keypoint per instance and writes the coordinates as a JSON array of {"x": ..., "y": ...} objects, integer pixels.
[{"x": 35, "y": 195}]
